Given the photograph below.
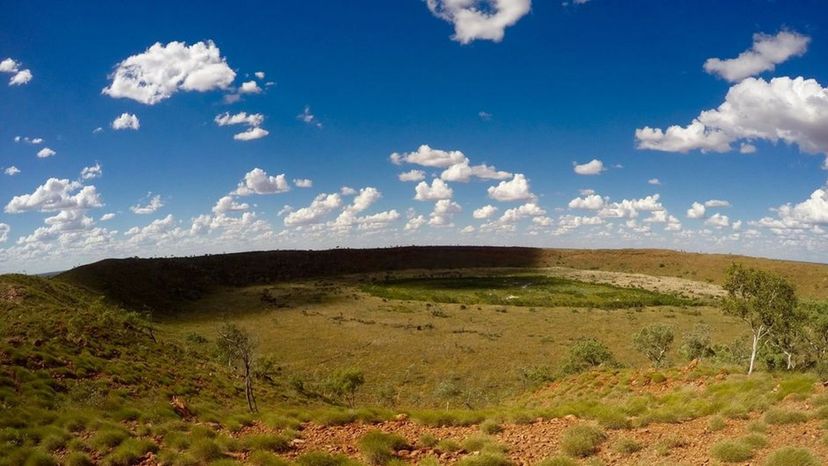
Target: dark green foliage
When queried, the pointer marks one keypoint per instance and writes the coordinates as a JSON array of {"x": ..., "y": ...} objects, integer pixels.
[
  {"x": 790, "y": 456},
  {"x": 582, "y": 440},
  {"x": 766, "y": 302},
  {"x": 485, "y": 459},
  {"x": 521, "y": 290},
  {"x": 731, "y": 452},
  {"x": 273, "y": 443},
  {"x": 585, "y": 354},
  {"x": 323, "y": 459},
  {"x": 627, "y": 446},
  {"x": 490, "y": 427},
  {"x": 654, "y": 341},
  {"x": 378, "y": 447},
  {"x": 559, "y": 461},
  {"x": 345, "y": 383},
  {"x": 781, "y": 416},
  {"x": 697, "y": 344}
]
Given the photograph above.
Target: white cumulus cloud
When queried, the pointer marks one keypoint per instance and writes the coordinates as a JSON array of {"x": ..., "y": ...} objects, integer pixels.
[
  {"x": 792, "y": 110},
  {"x": 436, "y": 191},
  {"x": 126, "y": 121},
  {"x": 516, "y": 189},
  {"x": 162, "y": 70},
  {"x": 45, "y": 153},
  {"x": 767, "y": 52},
  {"x": 257, "y": 181},
  {"x": 479, "y": 19},
  {"x": 153, "y": 204},
  {"x": 593, "y": 167}
]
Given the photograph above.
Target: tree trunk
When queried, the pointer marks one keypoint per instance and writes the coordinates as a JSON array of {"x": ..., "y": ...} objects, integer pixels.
[
  {"x": 790, "y": 360},
  {"x": 753, "y": 352},
  {"x": 248, "y": 389}
]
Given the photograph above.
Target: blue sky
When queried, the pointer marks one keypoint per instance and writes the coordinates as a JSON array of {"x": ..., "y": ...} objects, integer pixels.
[{"x": 528, "y": 87}]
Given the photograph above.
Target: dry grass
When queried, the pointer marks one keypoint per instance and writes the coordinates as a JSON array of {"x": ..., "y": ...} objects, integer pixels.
[{"x": 434, "y": 346}]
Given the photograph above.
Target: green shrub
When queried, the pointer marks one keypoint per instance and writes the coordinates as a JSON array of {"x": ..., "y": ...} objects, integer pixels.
[
  {"x": 627, "y": 446},
  {"x": 323, "y": 459},
  {"x": 758, "y": 427},
  {"x": 790, "y": 456},
  {"x": 449, "y": 446},
  {"x": 654, "y": 341},
  {"x": 109, "y": 438},
  {"x": 559, "y": 461},
  {"x": 490, "y": 427},
  {"x": 821, "y": 413},
  {"x": 755, "y": 440},
  {"x": 129, "y": 452},
  {"x": 697, "y": 344},
  {"x": 205, "y": 449},
  {"x": 611, "y": 418},
  {"x": 781, "y": 416},
  {"x": 378, "y": 447},
  {"x": 53, "y": 442},
  {"x": 716, "y": 423},
  {"x": 582, "y": 440},
  {"x": 429, "y": 460},
  {"x": 344, "y": 384},
  {"x": 478, "y": 443},
  {"x": 586, "y": 354},
  {"x": 40, "y": 458},
  {"x": 485, "y": 459},
  {"x": 265, "y": 458},
  {"x": 428, "y": 440},
  {"x": 77, "y": 458},
  {"x": 336, "y": 417},
  {"x": 731, "y": 452},
  {"x": 275, "y": 443}
]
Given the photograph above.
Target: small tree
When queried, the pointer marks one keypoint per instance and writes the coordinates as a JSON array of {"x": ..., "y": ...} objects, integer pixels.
[
  {"x": 236, "y": 346},
  {"x": 654, "y": 341},
  {"x": 815, "y": 334},
  {"x": 586, "y": 354},
  {"x": 789, "y": 336},
  {"x": 345, "y": 383},
  {"x": 697, "y": 344},
  {"x": 762, "y": 300}
]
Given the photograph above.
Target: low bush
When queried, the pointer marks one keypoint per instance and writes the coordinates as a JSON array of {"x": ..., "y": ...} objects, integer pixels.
[
  {"x": 428, "y": 441},
  {"x": 129, "y": 452},
  {"x": 109, "y": 438},
  {"x": 731, "y": 452},
  {"x": 790, "y": 456},
  {"x": 559, "y": 461},
  {"x": 755, "y": 440},
  {"x": 582, "y": 440},
  {"x": 490, "y": 427},
  {"x": 781, "y": 416},
  {"x": 265, "y": 458},
  {"x": 627, "y": 446},
  {"x": 485, "y": 459},
  {"x": 449, "y": 446},
  {"x": 77, "y": 458},
  {"x": 716, "y": 423},
  {"x": 586, "y": 354},
  {"x": 324, "y": 459},
  {"x": 205, "y": 449},
  {"x": 378, "y": 447},
  {"x": 273, "y": 443}
]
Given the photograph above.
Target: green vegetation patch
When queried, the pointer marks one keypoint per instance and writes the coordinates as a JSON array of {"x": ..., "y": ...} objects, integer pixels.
[{"x": 521, "y": 290}]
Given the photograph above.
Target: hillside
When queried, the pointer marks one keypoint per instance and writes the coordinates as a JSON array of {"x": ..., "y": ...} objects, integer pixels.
[
  {"x": 517, "y": 359},
  {"x": 161, "y": 283}
]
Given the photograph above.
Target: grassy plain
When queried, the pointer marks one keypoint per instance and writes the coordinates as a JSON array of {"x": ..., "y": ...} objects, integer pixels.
[{"x": 417, "y": 350}]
